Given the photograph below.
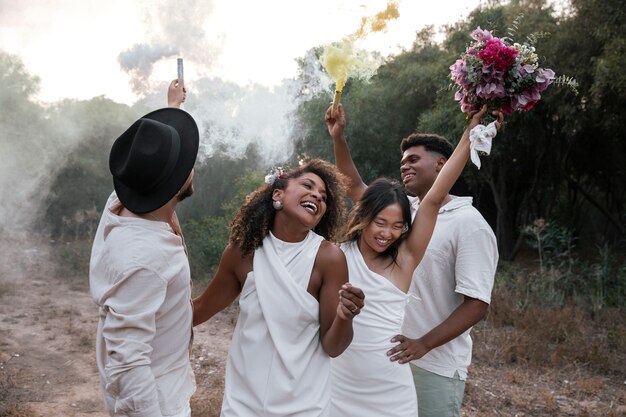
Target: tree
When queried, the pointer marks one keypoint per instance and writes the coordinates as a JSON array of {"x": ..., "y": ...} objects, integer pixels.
[{"x": 80, "y": 186}]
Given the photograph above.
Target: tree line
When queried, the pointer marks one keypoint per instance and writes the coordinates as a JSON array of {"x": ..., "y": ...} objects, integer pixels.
[
  {"x": 556, "y": 173},
  {"x": 562, "y": 162}
]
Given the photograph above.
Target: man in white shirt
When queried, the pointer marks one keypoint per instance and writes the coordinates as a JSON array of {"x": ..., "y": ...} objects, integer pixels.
[
  {"x": 139, "y": 272},
  {"x": 453, "y": 281}
]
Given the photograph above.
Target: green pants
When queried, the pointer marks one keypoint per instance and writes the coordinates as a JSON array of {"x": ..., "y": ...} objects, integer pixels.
[{"x": 438, "y": 396}]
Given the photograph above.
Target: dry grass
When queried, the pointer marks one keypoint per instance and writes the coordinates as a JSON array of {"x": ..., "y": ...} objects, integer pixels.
[
  {"x": 12, "y": 393},
  {"x": 15, "y": 410},
  {"x": 207, "y": 401},
  {"x": 539, "y": 361},
  {"x": 209, "y": 363},
  {"x": 6, "y": 289},
  {"x": 552, "y": 336}
]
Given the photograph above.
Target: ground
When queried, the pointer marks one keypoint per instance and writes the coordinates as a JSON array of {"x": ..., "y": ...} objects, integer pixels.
[{"x": 47, "y": 365}]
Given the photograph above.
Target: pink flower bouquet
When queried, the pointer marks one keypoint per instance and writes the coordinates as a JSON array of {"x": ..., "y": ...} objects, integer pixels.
[{"x": 491, "y": 71}]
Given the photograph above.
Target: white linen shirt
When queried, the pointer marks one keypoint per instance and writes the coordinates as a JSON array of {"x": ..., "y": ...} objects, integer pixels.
[
  {"x": 460, "y": 260},
  {"x": 139, "y": 277}
]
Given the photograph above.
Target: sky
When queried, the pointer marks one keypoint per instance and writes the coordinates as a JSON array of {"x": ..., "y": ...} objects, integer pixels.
[{"x": 119, "y": 48}]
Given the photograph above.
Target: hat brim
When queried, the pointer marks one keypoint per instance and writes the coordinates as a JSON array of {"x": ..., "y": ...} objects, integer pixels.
[{"x": 187, "y": 129}]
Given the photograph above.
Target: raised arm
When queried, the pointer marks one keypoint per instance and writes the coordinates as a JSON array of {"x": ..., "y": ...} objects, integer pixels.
[
  {"x": 426, "y": 216},
  {"x": 343, "y": 159},
  {"x": 223, "y": 288}
]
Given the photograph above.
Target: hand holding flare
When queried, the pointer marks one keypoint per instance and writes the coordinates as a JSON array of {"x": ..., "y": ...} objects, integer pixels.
[{"x": 338, "y": 60}]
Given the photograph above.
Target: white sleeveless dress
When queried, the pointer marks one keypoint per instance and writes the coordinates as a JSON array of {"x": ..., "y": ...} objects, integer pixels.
[
  {"x": 276, "y": 365},
  {"x": 365, "y": 383}
]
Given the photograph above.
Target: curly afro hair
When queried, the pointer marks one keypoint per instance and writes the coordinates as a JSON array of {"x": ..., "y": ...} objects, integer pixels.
[{"x": 255, "y": 217}]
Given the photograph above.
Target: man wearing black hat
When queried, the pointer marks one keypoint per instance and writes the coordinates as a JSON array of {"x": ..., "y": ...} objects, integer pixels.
[{"x": 139, "y": 273}]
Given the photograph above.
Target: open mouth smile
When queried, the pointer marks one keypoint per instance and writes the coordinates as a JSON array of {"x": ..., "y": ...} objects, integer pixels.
[
  {"x": 408, "y": 177},
  {"x": 310, "y": 206}
]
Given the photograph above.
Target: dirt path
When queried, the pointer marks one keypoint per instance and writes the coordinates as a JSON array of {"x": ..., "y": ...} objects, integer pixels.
[
  {"x": 47, "y": 359},
  {"x": 47, "y": 334}
]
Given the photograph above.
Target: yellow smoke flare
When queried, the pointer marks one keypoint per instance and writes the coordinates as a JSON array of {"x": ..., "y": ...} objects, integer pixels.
[{"x": 340, "y": 61}]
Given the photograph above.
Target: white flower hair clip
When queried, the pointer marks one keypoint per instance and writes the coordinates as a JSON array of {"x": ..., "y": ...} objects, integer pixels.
[{"x": 275, "y": 173}]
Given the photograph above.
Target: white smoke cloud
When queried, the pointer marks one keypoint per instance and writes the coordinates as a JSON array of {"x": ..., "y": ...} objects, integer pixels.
[
  {"x": 139, "y": 60},
  {"x": 174, "y": 28},
  {"x": 233, "y": 117}
]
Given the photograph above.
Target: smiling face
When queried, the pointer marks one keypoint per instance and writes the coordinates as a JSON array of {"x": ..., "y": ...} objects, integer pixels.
[
  {"x": 379, "y": 220},
  {"x": 303, "y": 199},
  {"x": 419, "y": 169},
  {"x": 385, "y": 228}
]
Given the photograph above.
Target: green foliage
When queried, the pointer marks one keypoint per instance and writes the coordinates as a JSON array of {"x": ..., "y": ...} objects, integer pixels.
[
  {"x": 562, "y": 275},
  {"x": 566, "y": 81},
  {"x": 206, "y": 237},
  {"x": 81, "y": 186},
  {"x": 215, "y": 181},
  {"x": 554, "y": 242},
  {"x": 72, "y": 262},
  {"x": 18, "y": 89}
]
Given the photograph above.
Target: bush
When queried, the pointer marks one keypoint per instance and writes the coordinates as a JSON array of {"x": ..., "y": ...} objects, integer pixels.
[
  {"x": 537, "y": 318},
  {"x": 206, "y": 239}
]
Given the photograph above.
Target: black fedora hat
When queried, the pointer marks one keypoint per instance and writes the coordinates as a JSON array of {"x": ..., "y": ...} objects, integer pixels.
[{"x": 153, "y": 158}]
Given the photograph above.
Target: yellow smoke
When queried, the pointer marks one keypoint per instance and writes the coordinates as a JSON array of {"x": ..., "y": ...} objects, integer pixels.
[
  {"x": 378, "y": 22},
  {"x": 339, "y": 59}
]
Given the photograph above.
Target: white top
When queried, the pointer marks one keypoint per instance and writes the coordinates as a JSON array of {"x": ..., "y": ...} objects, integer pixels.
[
  {"x": 139, "y": 278},
  {"x": 276, "y": 364},
  {"x": 460, "y": 260},
  {"x": 364, "y": 381}
]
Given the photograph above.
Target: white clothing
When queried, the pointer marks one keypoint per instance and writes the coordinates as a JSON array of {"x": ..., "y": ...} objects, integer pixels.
[
  {"x": 364, "y": 381},
  {"x": 276, "y": 364},
  {"x": 139, "y": 278},
  {"x": 186, "y": 412},
  {"x": 460, "y": 260}
]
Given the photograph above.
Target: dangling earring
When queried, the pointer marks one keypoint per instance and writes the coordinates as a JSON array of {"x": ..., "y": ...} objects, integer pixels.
[{"x": 277, "y": 205}]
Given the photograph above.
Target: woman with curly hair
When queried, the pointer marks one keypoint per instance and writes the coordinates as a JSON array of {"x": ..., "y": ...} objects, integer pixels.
[{"x": 296, "y": 306}]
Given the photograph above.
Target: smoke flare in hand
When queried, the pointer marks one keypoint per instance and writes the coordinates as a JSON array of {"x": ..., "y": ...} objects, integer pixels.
[{"x": 338, "y": 60}]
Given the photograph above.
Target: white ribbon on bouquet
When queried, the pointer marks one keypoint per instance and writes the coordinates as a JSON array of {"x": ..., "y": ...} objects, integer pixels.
[{"x": 480, "y": 141}]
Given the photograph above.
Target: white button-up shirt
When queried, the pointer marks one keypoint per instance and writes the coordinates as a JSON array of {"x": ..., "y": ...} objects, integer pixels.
[
  {"x": 460, "y": 260},
  {"x": 139, "y": 278}
]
